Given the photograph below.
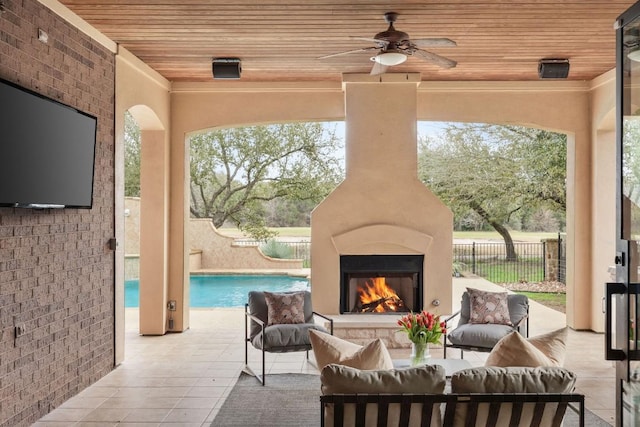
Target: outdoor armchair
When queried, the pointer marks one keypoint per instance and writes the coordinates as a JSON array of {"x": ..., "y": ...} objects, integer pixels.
[
  {"x": 278, "y": 337},
  {"x": 484, "y": 336}
]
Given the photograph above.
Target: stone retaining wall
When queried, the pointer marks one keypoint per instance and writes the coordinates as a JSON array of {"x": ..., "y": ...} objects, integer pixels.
[{"x": 210, "y": 250}]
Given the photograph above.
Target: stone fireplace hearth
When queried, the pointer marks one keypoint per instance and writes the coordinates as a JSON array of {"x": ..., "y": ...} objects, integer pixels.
[{"x": 381, "y": 208}]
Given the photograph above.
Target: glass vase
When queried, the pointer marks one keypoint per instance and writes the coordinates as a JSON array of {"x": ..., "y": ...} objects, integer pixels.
[{"x": 419, "y": 353}]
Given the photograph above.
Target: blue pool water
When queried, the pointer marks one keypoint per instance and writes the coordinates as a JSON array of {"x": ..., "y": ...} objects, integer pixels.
[{"x": 224, "y": 290}]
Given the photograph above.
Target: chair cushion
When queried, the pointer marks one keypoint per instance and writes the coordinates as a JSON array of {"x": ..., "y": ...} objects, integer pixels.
[
  {"x": 479, "y": 335},
  {"x": 286, "y": 337},
  {"x": 542, "y": 350},
  {"x": 488, "y": 307},
  {"x": 328, "y": 349},
  {"x": 339, "y": 379},
  {"x": 257, "y": 305},
  {"x": 511, "y": 380},
  {"x": 283, "y": 308}
]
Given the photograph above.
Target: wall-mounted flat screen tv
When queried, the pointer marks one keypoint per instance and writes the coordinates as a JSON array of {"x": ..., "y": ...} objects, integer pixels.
[{"x": 47, "y": 151}]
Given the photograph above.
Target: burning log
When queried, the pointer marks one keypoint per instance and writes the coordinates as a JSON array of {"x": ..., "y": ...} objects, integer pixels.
[
  {"x": 377, "y": 297},
  {"x": 391, "y": 303}
]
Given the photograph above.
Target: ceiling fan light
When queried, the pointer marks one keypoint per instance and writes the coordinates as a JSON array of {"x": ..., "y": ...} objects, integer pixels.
[
  {"x": 390, "y": 58},
  {"x": 634, "y": 55}
]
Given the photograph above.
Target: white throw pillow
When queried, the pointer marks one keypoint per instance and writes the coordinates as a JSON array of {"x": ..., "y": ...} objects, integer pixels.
[
  {"x": 542, "y": 350},
  {"x": 329, "y": 349}
]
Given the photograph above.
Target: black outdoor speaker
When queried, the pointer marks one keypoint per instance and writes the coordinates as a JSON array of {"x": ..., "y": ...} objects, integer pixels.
[
  {"x": 553, "y": 68},
  {"x": 226, "y": 68}
]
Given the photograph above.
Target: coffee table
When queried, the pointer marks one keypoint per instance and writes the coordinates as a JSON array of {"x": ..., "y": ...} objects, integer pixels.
[{"x": 451, "y": 366}]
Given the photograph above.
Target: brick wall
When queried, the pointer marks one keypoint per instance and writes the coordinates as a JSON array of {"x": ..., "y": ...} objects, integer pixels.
[{"x": 56, "y": 271}]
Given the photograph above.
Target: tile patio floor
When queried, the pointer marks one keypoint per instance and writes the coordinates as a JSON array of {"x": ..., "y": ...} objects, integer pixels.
[{"x": 182, "y": 379}]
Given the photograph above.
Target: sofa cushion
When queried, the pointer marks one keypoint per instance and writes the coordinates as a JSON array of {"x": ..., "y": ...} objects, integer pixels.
[
  {"x": 339, "y": 379},
  {"x": 329, "y": 349},
  {"x": 489, "y": 379},
  {"x": 542, "y": 350},
  {"x": 342, "y": 379},
  {"x": 511, "y": 380}
]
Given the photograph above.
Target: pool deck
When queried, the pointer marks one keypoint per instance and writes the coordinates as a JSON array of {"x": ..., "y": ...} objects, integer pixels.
[{"x": 182, "y": 379}]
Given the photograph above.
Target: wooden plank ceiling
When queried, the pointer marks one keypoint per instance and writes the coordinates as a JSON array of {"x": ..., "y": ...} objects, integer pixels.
[{"x": 281, "y": 40}]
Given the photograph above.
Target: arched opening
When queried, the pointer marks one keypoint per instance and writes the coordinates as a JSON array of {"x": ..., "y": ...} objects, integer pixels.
[
  {"x": 256, "y": 178},
  {"x": 506, "y": 186}
]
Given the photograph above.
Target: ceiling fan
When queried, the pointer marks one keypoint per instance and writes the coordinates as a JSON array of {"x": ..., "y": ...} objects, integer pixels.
[{"x": 395, "y": 46}]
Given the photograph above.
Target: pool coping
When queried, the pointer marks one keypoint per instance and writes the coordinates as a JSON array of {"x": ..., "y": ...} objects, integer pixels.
[{"x": 302, "y": 272}]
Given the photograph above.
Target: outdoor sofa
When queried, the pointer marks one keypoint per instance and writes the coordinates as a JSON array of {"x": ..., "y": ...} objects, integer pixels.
[{"x": 421, "y": 396}]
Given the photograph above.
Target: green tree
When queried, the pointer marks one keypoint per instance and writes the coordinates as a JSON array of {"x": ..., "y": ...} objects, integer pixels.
[
  {"x": 495, "y": 171},
  {"x": 286, "y": 212},
  {"x": 234, "y": 172},
  {"x": 131, "y": 156}
]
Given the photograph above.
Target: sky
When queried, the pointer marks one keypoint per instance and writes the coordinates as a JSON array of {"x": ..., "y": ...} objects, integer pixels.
[{"x": 425, "y": 128}]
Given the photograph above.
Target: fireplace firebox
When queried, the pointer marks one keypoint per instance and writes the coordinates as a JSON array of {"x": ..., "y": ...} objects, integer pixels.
[{"x": 381, "y": 283}]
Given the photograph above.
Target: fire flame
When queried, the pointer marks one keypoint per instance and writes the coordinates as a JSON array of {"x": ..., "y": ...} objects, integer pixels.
[{"x": 376, "y": 290}]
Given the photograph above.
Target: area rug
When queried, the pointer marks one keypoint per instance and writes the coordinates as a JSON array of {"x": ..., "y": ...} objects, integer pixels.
[
  {"x": 285, "y": 400},
  {"x": 294, "y": 400}
]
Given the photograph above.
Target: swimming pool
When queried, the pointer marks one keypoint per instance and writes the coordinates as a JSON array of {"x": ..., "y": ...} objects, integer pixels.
[{"x": 224, "y": 290}]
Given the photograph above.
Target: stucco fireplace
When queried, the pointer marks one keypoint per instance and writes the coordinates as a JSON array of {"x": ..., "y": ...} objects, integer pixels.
[{"x": 381, "y": 210}]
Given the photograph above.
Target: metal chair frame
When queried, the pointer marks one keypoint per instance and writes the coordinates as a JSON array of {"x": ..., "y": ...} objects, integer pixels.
[
  {"x": 517, "y": 327},
  {"x": 247, "y": 317}
]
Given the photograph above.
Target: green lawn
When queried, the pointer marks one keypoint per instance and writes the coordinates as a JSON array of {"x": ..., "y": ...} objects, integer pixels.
[
  {"x": 528, "y": 270},
  {"x": 553, "y": 300}
]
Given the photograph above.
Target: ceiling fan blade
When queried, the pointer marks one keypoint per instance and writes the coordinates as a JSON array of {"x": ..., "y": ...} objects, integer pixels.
[
  {"x": 434, "y": 42},
  {"x": 436, "y": 59},
  {"x": 364, "y": 49},
  {"x": 378, "y": 69},
  {"x": 371, "y": 39}
]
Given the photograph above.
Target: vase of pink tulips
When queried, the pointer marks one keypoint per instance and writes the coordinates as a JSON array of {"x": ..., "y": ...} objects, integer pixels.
[{"x": 422, "y": 329}]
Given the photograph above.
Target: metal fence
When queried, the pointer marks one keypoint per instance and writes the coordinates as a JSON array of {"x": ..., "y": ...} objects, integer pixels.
[
  {"x": 562, "y": 257},
  {"x": 487, "y": 260},
  {"x": 299, "y": 250}
]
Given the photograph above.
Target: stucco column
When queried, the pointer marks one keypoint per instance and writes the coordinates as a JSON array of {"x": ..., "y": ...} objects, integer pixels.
[
  {"x": 604, "y": 220},
  {"x": 179, "y": 230},
  {"x": 579, "y": 240},
  {"x": 153, "y": 233}
]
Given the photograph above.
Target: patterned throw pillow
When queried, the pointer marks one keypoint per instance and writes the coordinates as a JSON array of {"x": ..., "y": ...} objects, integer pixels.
[
  {"x": 488, "y": 307},
  {"x": 285, "y": 308}
]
